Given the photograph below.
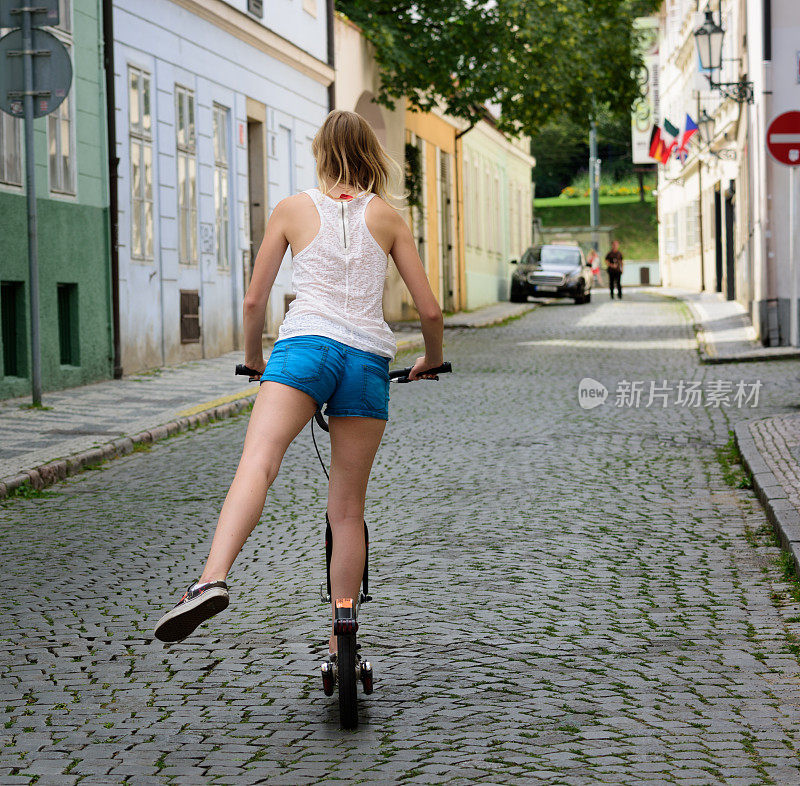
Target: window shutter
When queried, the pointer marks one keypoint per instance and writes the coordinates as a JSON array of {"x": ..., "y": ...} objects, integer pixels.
[{"x": 190, "y": 316}]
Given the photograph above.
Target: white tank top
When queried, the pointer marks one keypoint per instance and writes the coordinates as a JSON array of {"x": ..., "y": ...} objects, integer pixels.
[{"x": 338, "y": 280}]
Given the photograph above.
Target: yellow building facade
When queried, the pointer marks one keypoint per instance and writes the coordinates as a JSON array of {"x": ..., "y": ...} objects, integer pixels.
[{"x": 437, "y": 219}]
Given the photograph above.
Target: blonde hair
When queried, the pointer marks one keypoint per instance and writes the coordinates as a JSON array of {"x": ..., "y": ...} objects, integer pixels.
[{"x": 348, "y": 153}]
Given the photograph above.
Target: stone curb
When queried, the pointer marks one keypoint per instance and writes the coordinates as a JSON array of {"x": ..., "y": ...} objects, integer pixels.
[
  {"x": 46, "y": 474},
  {"x": 705, "y": 347},
  {"x": 781, "y": 514},
  {"x": 454, "y": 323}
]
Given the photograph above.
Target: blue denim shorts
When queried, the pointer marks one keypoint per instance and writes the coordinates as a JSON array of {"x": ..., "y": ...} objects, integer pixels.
[{"x": 350, "y": 381}]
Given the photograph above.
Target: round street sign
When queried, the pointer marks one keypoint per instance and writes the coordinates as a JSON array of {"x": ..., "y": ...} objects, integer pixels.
[
  {"x": 783, "y": 138},
  {"x": 52, "y": 73}
]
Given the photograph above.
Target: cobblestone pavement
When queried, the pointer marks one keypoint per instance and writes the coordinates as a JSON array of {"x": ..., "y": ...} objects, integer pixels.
[{"x": 563, "y": 596}]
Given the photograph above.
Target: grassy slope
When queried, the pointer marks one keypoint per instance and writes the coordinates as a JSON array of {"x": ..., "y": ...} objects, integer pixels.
[{"x": 637, "y": 227}]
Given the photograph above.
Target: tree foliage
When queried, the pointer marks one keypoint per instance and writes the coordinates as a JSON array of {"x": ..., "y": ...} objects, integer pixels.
[{"x": 537, "y": 59}]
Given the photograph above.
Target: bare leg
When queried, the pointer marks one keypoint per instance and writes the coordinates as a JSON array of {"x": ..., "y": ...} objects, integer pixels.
[
  {"x": 354, "y": 443},
  {"x": 279, "y": 414}
]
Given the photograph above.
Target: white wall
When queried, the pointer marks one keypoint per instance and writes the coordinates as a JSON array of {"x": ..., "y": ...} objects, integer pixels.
[
  {"x": 176, "y": 46},
  {"x": 776, "y": 91},
  {"x": 300, "y": 21}
]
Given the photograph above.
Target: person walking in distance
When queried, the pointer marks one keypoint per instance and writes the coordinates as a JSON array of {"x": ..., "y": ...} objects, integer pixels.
[
  {"x": 593, "y": 260},
  {"x": 614, "y": 264},
  {"x": 334, "y": 348}
]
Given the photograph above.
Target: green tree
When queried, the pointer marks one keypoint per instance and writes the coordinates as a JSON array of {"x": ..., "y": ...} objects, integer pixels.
[{"x": 539, "y": 60}]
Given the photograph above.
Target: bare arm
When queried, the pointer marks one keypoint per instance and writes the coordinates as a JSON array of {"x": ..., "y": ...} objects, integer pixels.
[
  {"x": 268, "y": 262},
  {"x": 409, "y": 265}
]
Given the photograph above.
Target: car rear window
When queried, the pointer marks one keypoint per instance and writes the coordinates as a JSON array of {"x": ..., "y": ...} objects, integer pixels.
[{"x": 552, "y": 255}]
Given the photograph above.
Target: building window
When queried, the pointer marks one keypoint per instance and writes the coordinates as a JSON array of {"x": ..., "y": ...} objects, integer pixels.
[
  {"x": 669, "y": 234},
  {"x": 486, "y": 217},
  {"x": 476, "y": 185},
  {"x": 467, "y": 192},
  {"x": 10, "y": 150},
  {"x": 513, "y": 219},
  {"x": 190, "y": 316},
  {"x": 61, "y": 141},
  {"x": 496, "y": 210},
  {"x": 186, "y": 143},
  {"x": 256, "y": 8},
  {"x": 65, "y": 14},
  {"x": 12, "y": 317},
  {"x": 140, "y": 124},
  {"x": 68, "y": 333},
  {"x": 221, "y": 185}
]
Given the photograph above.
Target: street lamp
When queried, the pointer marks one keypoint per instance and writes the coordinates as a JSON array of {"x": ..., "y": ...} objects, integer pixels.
[
  {"x": 706, "y": 125},
  {"x": 709, "y": 37}
]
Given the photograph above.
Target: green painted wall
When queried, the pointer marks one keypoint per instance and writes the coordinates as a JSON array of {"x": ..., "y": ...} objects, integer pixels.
[
  {"x": 73, "y": 249},
  {"x": 74, "y": 240}
]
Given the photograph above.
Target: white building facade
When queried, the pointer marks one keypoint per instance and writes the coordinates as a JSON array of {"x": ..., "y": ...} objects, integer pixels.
[
  {"x": 723, "y": 213},
  {"x": 216, "y": 106}
]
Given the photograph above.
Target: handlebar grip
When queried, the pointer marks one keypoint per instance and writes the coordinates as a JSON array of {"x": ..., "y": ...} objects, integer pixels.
[
  {"x": 246, "y": 371},
  {"x": 401, "y": 374}
]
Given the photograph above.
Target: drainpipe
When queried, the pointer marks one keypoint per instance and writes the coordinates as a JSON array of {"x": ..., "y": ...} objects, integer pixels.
[
  {"x": 113, "y": 169},
  {"x": 461, "y": 303},
  {"x": 700, "y": 210},
  {"x": 331, "y": 54}
]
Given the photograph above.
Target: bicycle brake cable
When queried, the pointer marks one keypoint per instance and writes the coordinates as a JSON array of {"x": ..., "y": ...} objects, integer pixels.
[{"x": 316, "y": 447}]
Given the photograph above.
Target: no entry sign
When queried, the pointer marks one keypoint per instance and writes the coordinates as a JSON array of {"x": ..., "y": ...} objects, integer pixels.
[{"x": 783, "y": 138}]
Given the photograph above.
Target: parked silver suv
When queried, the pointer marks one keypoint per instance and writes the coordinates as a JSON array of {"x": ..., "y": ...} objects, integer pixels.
[{"x": 552, "y": 270}]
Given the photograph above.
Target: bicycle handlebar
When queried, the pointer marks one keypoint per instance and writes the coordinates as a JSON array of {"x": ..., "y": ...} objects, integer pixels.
[{"x": 397, "y": 375}]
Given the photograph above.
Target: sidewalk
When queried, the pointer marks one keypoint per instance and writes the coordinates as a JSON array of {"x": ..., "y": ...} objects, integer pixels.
[
  {"x": 83, "y": 426},
  {"x": 770, "y": 448},
  {"x": 724, "y": 331}
]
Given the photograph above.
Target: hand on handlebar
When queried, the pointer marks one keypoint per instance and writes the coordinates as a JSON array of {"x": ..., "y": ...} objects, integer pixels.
[
  {"x": 420, "y": 367},
  {"x": 258, "y": 366}
]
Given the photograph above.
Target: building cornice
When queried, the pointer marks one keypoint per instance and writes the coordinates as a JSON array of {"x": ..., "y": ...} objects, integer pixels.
[{"x": 259, "y": 37}]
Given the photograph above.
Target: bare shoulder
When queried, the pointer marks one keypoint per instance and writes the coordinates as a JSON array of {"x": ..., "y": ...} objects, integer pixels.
[
  {"x": 381, "y": 208},
  {"x": 381, "y": 214},
  {"x": 291, "y": 205},
  {"x": 293, "y": 211},
  {"x": 384, "y": 222}
]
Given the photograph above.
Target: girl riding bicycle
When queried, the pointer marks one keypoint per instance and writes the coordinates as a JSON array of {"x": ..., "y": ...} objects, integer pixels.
[{"x": 333, "y": 348}]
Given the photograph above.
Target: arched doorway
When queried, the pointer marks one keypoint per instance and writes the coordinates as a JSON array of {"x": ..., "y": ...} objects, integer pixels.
[{"x": 371, "y": 112}]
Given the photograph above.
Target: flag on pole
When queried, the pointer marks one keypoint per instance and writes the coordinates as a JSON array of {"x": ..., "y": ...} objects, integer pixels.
[
  {"x": 669, "y": 140},
  {"x": 655, "y": 142},
  {"x": 689, "y": 130}
]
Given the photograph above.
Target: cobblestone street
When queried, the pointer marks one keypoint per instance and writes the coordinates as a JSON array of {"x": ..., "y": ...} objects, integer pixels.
[{"x": 562, "y": 596}]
